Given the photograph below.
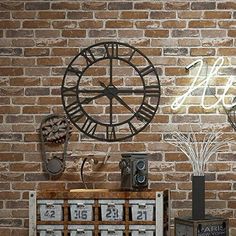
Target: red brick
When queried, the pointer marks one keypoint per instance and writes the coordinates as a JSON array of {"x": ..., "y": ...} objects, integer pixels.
[
  {"x": 189, "y": 14},
  {"x": 32, "y": 52},
  {"x": 37, "y": 91},
  {"x": 10, "y": 51},
  {"x": 162, "y": 15},
  {"x": 130, "y": 33},
  {"x": 19, "y": 119},
  {"x": 9, "y": 24},
  {"x": 37, "y": 71},
  {"x": 226, "y": 52},
  {"x": 50, "y": 61},
  {"x": 47, "y": 33},
  {"x": 94, "y": 5},
  {"x": 203, "y": 5},
  {"x": 51, "y": 15},
  {"x": 157, "y": 33},
  {"x": 74, "y": 33},
  {"x": 8, "y": 91},
  {"x": 36, "y": 24},
  {"x": 120, "y": 5},
  {"x": 171, "y": 71},
  {"x": 25, "y": 167},
  {"x": 23, "y": 15},
  {"x": 19, "y": 33},
  {"x": 177, "y": 6},
  {"x": 51, "y": 42},
  {"x": 231, "y": 33},
  {"x": 37, "y": 6},
  {"x": 23, "y": 42},
  {"x": 202, "y": 24},
  {"x": 90, "y": 24},
  {"x": 217, "y": 15},
  {"x": 148, "y": 5},
  {"x": 106, "y": 14},
  {"x": 118, "y": 24},
  {"x": 226, "y": 5},
  {"x": 15, "y": 6},
  {"x": 20, "y": 81},
  {"x": 4, "y": 61},
  {"x": 65, "y": 5},
  {"x": 202, "y": 51},
  {"x": 173, "y": 24},
  {"x": 64, "y": 24},
  {"x": 49, "y": 101},
  {"x": 132, "y": 147},
  {"x": 4, "y": 15},
  {"x": 185, "y": 33},
  {"x": 36, "y": 110},
  {"x": 134, "y": 15},
  {"x": 23, "y": 62},
  {"x": 102, "y": 33},
  {"x": 79, "y": 15}
]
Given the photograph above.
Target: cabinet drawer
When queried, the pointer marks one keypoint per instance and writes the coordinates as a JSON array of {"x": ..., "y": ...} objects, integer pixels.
[
  {"x": 142, "y": 230},
  {"x": 142, "y": 210},
  {"x": 112, "y": 209},
  {"x": 51, "y": 210},
  {"x": 50, "y": 230},
  {"x": 80, "y": 230},
  {"x": 81, "y": 210},
  {"x": 112, "y": 230}
]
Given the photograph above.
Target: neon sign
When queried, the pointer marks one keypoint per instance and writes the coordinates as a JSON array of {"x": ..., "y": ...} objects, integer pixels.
[{"x": 205, "y": 83}]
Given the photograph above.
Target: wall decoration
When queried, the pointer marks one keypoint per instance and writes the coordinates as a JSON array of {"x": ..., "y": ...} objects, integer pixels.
[
  {"x": 110, "y": 91},
  {"x": 134, "y": 171},
  {"x": 198, "y": 153},
  {"x": 54, "y": 129},
  {"x": 205, "y": 84}
]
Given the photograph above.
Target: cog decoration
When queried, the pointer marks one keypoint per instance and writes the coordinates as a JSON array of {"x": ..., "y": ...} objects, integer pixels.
[
  {"x": 55, "y": 129},
  {"x": 232, "y": 117}
]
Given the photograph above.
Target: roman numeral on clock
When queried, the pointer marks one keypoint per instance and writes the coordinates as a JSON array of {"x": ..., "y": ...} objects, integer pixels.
[
  {"x": 75, "y": 71},
  {"x": 89, "y": 57},
  {"x": 147, "y": 70},
  {"x": 110, "y": 133},
  {"x": 146, "y": 112},
  {"x": 132, "y": 128},
  {"x": 111, "y": 50},
  {"x": 89, "y": 126},
  {"x": 74, "y": 111},
  {"x": 152, "y": 91},
  {"x": 69, "y": 92}
]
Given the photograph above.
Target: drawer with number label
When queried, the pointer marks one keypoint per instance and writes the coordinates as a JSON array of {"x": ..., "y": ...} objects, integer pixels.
[
  {"x": 51, "y": 210},
  {"x": 76, "y": 230},
  {"x": 112, "y": 209},
  {"x": 81, "y": 209},
  {"x": 142, "y": 230},
  {"x": 50, "y": 230},
  {"x": 112, "y": 230},
  {"x": 142, "y": 210}
]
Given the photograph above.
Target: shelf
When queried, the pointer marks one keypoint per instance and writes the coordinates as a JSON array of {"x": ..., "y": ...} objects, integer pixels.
[{"x": 57, "y": 211}]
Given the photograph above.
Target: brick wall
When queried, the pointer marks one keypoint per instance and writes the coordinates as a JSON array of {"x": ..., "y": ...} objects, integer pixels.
[{"x": 38, "y": 40}]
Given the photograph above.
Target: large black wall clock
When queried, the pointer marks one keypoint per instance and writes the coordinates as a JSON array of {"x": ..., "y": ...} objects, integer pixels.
[{"x": 110, "y": 91}]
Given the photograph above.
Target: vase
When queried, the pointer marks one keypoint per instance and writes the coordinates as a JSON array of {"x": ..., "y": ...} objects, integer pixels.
[{"x": 198, "y": 197}]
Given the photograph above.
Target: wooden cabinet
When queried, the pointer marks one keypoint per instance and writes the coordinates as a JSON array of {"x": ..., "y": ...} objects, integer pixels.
[{"x": 99, "y": 213}]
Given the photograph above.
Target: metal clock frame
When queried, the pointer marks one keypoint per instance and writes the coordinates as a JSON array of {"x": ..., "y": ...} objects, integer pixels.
[{"x": 75, "y": 111}]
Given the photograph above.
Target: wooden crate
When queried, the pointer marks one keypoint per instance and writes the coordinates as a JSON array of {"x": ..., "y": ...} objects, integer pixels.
[
  {"x": 90, "y": 220},
  {"x": 209, "y": 226}
]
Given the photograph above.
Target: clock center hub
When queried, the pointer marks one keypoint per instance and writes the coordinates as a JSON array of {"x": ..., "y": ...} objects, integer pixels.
[{"x": 111, "y": 91}]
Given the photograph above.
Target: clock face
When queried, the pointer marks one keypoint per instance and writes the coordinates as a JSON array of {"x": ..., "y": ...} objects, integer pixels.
[{"x": 110, "y": 91}]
